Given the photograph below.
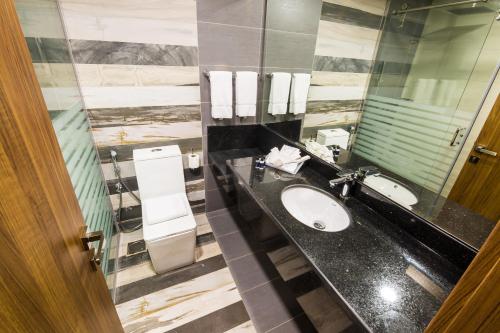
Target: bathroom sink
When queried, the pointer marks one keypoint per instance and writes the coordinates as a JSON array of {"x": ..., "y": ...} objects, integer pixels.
[
  {"x": 392, "y": 189},
  {"x": 315, "y": 208}
]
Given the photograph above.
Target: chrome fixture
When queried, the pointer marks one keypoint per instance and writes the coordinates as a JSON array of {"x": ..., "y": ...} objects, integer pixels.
[
  {"x": 498, "y": 15},
  {"x": 207, "y": 74},
  {"x": 119, "y": 188},
  {"x": 366, "y": 171},
  {"x": 404, "y": 10},
  {"x": 346, "y": 177},
  {"x": 482, "y": 150}
]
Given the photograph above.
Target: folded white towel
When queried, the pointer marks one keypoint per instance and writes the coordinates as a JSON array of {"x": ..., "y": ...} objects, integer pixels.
[
  {"x": 278, "y": 96},
  {"x": 221, "y": 93},
  {"x": 246, "y": 94},
  {"x": 298, "y": 94}
]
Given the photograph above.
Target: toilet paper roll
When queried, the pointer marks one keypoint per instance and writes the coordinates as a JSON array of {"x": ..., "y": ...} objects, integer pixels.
[{"x": 194, "y": 161}]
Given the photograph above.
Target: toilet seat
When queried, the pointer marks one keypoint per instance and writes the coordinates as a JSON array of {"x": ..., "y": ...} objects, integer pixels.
[{"x": 162, "y": 217}]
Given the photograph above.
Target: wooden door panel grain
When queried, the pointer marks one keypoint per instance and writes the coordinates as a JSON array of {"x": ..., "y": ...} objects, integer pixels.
[
  {"x": 477, "y": 187},
  {"x": 46, "y": 282}
]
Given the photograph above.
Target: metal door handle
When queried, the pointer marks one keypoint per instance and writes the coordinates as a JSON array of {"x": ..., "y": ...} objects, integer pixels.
[
  {"x": 89, "y": 237},
  {"x": 483, "y": 150}
]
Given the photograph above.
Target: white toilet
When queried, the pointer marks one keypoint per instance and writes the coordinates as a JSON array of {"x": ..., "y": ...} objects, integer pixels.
[{"x": 168, "y": 224}]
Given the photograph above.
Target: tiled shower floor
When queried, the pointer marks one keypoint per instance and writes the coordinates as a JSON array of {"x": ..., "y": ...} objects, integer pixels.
[{"x": 235, "y": 285}]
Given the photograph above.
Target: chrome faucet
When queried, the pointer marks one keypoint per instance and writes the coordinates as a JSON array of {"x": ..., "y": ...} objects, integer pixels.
[
  {"x": 365, "y": 171},
  {"x": 345, "y": 177}
]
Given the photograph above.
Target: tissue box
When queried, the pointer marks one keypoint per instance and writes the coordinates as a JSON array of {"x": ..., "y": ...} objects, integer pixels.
[{"x": 335, "y": 136}]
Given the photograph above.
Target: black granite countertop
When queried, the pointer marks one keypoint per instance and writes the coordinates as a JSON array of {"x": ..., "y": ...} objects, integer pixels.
[{"x": 387, "y": 279}]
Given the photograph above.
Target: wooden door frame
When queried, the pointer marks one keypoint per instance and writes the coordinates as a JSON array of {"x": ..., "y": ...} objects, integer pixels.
[
  {"x": 474, "y": 304},
  {"x": 46, "y": 282}
]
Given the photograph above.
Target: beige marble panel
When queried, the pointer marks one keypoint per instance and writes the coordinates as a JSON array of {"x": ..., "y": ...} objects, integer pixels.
[
  {"x": 337, "y": 93},
  {"x": 172, "y": 307},
  {"x": 288, "y": 262},
  {"x": 127, "y": 135},
  {"x": 94, "y": 75},
  {"x": 346, "y": 41},
  {"x": 330, "y": 118},
  {"x": 371, "y": 6},
  {"x": 340, "y": 79},
  {"x": 130, "y": 96},
  {"x": 325, "y": 314},
  {"x": 154, "y": 21}
]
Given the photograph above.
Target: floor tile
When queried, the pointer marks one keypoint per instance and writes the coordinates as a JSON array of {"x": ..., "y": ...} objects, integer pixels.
[
  {"x": 299, "y": 324},
  {"x": 252, "y": 270},
  {"x": 224, "y": 224},
  {"x": 221, "y": 320},
  {"x": 270, "y": 304},
  {"x": 235, "y": 245}
]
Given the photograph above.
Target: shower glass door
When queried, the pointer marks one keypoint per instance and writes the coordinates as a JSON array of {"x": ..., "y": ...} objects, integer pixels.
[
  {"x": 431, "y": 71},
  {"x": 45, "y": 36}
]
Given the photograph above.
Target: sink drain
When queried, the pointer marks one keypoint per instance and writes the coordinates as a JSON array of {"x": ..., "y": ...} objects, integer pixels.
[{"x": 319, "y": 225}]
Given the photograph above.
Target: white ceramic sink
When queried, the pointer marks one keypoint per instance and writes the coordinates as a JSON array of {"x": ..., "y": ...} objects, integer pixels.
[
  {"x": 392, "y": 189},
  {"x": 315, "y": 208}
]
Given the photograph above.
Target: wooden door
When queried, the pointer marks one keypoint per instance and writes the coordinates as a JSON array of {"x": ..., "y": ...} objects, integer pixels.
[
  {"x": 46, "y": 280},
  {"x": 478, "y": 185},
  {"x": 474, "y": 304}
]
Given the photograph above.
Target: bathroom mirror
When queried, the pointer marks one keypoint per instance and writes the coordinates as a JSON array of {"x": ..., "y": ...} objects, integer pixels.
[{"x": 401, "y": 86}]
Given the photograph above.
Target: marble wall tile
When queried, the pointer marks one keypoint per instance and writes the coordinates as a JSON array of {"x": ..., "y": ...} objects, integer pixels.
[
  {"x": 55, "y": 74},
  {"x": 346, "y": 41},
  {"x": 336, "y": 64},
  {"x": 243, "y": 13},
  {"x": 170, "y": 22},
  {"x": 288, "y": 50},
  {"x": 334, "y": 106},
  {"x": 61, "y": 98},
  {"x": 48, "y": 50},
  {"x": 320, "y": 78},
  {"x": 376, "y": 7},
  {"x": 347, "y": 15},
  {"x": 120, "y": 97},
  {"x": 334, "y": 119},
  {"x": 326, "y": 93},
  {"x": 126, "y": 135},
  {"x": 40, "y": 18},
  {"x": 125, "y": 151},
  {"x": 294, "y": 15},
  {"x": 229, "y": 45},
  {"x": 106, "y": 52},
  {"x": 144, "y": 115}
]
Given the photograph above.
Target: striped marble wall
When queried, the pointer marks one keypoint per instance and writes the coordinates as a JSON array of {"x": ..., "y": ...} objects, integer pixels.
[
  {"x": 137, "y": 64},
  {"x": 345, "y": 50}
]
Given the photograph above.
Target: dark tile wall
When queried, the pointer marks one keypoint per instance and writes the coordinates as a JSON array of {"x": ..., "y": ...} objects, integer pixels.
[
  {"x": 289, "y": 44},
  {"x": 229, "y": 38}
]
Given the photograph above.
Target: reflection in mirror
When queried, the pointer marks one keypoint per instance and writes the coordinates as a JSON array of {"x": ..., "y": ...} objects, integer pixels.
[{"x": 403, "y": 86}]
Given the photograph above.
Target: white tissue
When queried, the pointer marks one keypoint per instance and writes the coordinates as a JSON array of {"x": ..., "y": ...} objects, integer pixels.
[{"x": 287, "y": 159}]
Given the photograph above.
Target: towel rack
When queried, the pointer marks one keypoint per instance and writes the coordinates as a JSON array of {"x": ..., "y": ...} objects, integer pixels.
[
  {"x": 207, "y": 74},
  {"x": 271, "y": 74}
]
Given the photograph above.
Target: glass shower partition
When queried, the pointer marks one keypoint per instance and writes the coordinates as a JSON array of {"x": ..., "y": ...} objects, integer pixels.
[
  {"x": 44, "y": 33},
  {"x": 429, "y": 77}
]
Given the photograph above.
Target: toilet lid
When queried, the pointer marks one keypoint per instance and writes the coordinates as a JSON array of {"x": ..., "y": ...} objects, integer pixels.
[{"x": 165, "y": 208}]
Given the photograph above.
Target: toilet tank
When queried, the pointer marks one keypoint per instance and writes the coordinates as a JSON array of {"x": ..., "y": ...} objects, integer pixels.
[{"x": 159, "y": 171}]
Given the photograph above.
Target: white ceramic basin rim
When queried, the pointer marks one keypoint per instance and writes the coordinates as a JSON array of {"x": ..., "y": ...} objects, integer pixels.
[
  {"x": 315, "y": 208},
  {"x": 392, "y": 189}
]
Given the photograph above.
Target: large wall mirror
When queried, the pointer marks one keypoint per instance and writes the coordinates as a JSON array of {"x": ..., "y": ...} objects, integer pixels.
[{"x": 402, "y": 87}]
